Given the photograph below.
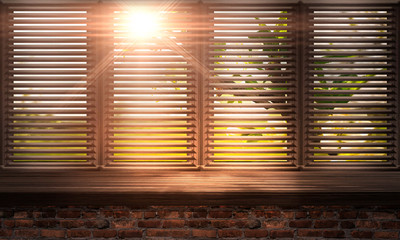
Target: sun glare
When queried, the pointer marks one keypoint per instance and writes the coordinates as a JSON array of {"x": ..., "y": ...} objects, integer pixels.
[{"x": 143, "y": 24}]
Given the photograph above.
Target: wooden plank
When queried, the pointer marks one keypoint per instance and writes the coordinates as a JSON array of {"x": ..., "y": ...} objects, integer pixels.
[
  {"x": 212, "y": 181},
  {"x": 112, "y": 187}
]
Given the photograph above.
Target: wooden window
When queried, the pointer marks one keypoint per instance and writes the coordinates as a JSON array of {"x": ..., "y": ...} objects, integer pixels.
[
  {"x": 151, "y": 89},
  {"x": 251, "y": 85},
  {"x": 215, "y": 85},
  {"x": 351, "y": 85},
  {"x": 49, "y": 102}
]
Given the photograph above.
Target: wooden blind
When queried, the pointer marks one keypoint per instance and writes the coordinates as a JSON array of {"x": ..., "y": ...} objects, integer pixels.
[
  {"x": 250, "y": 87},
  {"x": 350, "y": 85},
  {"x": 49, "y": 103},
  {"x": 215, "y": 85},
  {"x": 151, "y": 102}
]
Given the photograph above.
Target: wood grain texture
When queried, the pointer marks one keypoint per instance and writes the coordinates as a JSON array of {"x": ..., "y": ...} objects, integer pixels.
[{"x": 200, "y": 187}]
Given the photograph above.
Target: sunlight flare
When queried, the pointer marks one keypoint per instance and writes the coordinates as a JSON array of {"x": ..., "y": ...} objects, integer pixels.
[{"x": 143, "y": 24}]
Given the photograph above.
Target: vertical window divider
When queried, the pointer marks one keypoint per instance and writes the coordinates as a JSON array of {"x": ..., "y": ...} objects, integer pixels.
[
  {"x": 300, "y": 83},
  {"x": 3, "y": 97},
  {"x": 201, "y": 71},
  {"x": 397, "y": 84},
  {"x": 99, "y": 76}
]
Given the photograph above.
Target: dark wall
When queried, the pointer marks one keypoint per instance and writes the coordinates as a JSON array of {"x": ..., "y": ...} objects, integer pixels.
[{"x": 117, "y": 222}]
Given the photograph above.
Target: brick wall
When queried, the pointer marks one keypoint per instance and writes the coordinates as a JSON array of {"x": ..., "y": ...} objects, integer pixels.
[{"x": 268, "y": 222}]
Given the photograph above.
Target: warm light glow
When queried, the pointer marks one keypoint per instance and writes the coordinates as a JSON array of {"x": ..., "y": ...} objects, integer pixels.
[{"x": 143, "y": 24}]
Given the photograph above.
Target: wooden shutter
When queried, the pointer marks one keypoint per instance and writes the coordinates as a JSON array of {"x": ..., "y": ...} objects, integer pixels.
[
  {"x": 350, "y": 85},
  {"x": 217, "y": 82},
  {"x": 151, "y": 102},
  {"x": 250, "y": 88},
  {"x": 49, "y": 102}
]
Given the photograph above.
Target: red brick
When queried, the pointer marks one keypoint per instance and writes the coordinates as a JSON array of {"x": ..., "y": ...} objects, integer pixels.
[
  {"x": 300, "y": 224},
  {"x": 27, "y": 233},
  {"x": 9, "y": 223},
  {"x": 23, "y": 223},
  {"x": 329, "y": 214},
  {"x": 258, "y": 213},
  {"x": 363, "y": 215},
  {"x": 46, "y": 223},
  {"x": 256, "y": 233},
  {"x": 390, "y": 225},
  {"x": 187, "y": 214},
  {"x": 383, "y": 215},
  {"x": 341, "y": 207},
  {"x": 169, "y": 214},
  {"x": 105, "y": 233},
  {"x": 123, "y": 223},
  {"x": 106, "y": 213},
  {"x": 173, "y": 223},
  {"x": 201, "y": 213},
  {"x": 175, "y": 233},
  {"x": 36, "y": 214},
  {"x": 275, "y": 223},
  {"x": 121, "y": 214},
  {"x": 130, "y": 233},
  {"x": 52, "y": 233},
  {"x": 301, "y": 215},
  {"x": 362, "y": 234},
  {"x": 313, "y": 207},
  {"x": 220, "y": 214},
  {"x": 149, "y": 223},
  {"x": 79, "y": 233},
  {"x": 287, "y": 214},
  {"x": 367, "y": 224},
  {"x": 89, "y": 214},
  {"x": 69, "y": 214},
  {"x": 49, "y": 213},
  {"x": 222, "y": 223},
  {"x": 72, "y": 223},
  {"x": 229, "y": 233},
  {"x": 6, "y": 232},
  {"x": 272, "y": 214},
  {"x": 198, "y": 223},
  {"x": 117, "y": 207},
  {"x": 271, "y": 207},
  {"x": 136, "y": 215},
  {"x": 150, "y": 214},
  {"x": 348, "y": 214},
  {"x": 347, "y": 225},
  {"x": 315, "y": 214},
  {"x": 99, "y": 223},
  {"x": 333, "y": 234},
  {"x": 309, "y": 233},
  {"x": 204, "y": 233},
  {"x": 325, "y": 224},
  {"x": 387, "y": 235},
  {"x": 241, "y": 215},
  {"x": 282, "y": 234},
  {"x": 251, "y": 223},
  {"x": 6, "y": 214},
  {"x": 21, "y": 214}
]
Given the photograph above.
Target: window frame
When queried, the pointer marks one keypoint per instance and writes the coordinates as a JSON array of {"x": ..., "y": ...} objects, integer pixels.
[{"x": 301, "y": 49}]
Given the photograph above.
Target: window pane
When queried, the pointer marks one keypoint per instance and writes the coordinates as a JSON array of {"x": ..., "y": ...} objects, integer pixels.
[
  {"x": 50, "y": 104},
  {"x": 350, "y": 85},
  {"x": 251, "y": 85},
  {"x": 151, "y": 88}
]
